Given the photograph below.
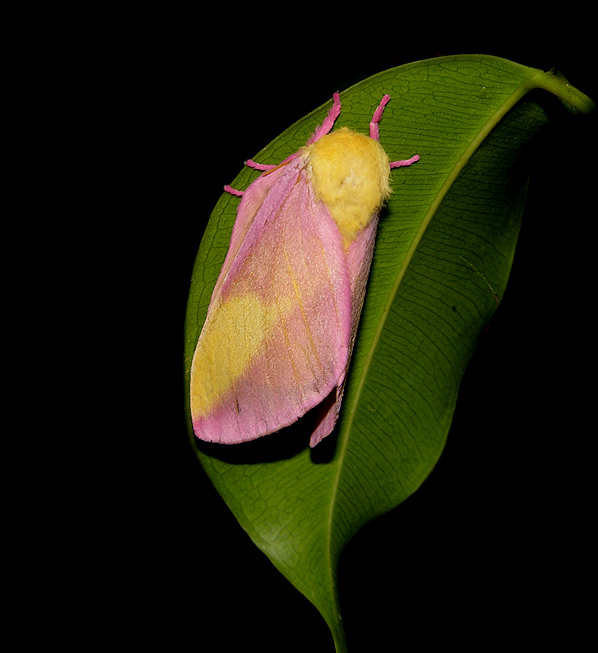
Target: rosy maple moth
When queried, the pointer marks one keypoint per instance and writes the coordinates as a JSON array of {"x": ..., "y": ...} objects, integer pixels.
[{"x": 282, "y": 320}]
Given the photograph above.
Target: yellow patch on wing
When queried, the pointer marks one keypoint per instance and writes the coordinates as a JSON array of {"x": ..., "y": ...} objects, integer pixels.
[
  {"x": 350, "y": 173},
  {"x": 229, "y": 341}
]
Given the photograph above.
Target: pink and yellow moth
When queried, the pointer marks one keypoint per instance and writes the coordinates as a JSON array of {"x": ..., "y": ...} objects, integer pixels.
[{"x": 280, "y": 327}]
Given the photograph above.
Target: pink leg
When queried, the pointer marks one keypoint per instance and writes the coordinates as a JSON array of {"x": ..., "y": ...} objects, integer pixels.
[
  {"x": 405, "y": 162},
  {"x": 251, "y": 164},
  {"x": 260, "y": 166},
  {"x": 328, "y": 123},
  {"x": 232, "y": 191},
  {"x": 374, "y": 128}
]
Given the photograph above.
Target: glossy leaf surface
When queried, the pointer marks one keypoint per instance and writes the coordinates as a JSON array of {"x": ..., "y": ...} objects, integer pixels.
[{"x": 443, "y": 254}]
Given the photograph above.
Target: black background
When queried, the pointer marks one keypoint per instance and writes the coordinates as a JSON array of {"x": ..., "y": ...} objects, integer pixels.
[{"x": 495, "y": 546}]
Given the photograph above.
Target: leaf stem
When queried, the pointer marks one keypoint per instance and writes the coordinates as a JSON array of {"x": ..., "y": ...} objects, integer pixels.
[{"x": 555, "y": 83}]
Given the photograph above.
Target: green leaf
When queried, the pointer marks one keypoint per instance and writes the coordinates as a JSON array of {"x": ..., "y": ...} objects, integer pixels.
[{"x": 443, "y": 255}]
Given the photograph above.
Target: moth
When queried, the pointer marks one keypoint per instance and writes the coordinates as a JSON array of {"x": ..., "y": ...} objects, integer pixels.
[{"x": 280, "y": 327}]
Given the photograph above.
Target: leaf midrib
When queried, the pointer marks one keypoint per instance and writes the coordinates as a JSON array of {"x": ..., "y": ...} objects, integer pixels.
[{"x": 526, "y": 85}]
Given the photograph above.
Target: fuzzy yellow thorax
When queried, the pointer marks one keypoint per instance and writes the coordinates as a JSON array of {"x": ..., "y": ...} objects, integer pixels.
[{"x": 350, "y": 172}]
